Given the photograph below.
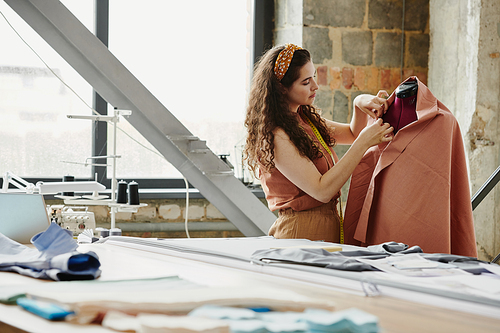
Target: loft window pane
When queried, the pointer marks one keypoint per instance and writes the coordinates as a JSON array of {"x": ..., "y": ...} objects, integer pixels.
[
  {"x": 193, "y": 56},
  {"x": 38, "y": 140},
  {"x": 138, "y": 158}
]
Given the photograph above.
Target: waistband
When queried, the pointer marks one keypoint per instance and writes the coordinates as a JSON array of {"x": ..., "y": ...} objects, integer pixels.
[{"x": 326, "y": 208}]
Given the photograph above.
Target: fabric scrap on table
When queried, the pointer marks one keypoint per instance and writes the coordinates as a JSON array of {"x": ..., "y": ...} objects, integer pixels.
[{"x": 54, "y": 258}]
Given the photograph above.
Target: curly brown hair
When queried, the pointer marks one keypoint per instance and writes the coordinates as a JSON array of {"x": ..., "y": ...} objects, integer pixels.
[{"x": 268, "y": 109}]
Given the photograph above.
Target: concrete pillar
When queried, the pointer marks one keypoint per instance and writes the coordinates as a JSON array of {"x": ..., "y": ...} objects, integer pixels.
[
  {"x": 288, "y": 22},
  {"x": 464, "y": 73}
]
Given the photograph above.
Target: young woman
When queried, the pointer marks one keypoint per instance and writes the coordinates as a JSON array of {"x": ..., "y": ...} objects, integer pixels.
[{"x": 289, "y": 145}]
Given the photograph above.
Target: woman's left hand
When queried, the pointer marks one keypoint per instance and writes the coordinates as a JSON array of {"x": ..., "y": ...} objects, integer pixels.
[{"x": 373, "y": 106}]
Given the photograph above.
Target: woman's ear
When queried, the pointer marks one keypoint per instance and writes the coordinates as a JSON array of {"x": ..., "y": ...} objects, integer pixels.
[{"x": 282, "y": 89}]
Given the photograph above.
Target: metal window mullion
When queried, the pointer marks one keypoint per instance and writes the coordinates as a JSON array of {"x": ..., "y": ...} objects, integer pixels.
[{"x": 99, "y": 129}]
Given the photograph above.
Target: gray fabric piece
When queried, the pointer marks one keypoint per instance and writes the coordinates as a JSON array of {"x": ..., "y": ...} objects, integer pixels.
[
  {"x": 393, "y": 247},
  {"x": 311, "y": 257},
  {"x": 342, "y": 260},
  {"x": 346, "y": 260},
  {"x": 468, "y": 264},
  {"x": 451, "y": 258}
]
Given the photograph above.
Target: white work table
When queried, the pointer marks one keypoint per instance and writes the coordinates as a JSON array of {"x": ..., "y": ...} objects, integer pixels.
[{"x": 398, "y": 310}]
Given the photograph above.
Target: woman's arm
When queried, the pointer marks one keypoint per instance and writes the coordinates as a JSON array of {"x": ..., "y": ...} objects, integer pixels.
[
  {"x": 303, "y": 173},
  {"x": 364, "y": 106}
]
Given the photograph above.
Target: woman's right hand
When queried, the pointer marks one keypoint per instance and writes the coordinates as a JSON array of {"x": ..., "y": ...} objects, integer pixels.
[
  {"x": 375, "y": 134},
  {"x": 373, "y": 106}
]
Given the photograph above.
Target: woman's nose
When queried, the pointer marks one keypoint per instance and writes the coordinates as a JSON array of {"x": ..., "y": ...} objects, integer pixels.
[{"x": 314, "y": 86}]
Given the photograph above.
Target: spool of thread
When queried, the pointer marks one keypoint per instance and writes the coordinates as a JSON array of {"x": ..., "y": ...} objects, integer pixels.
[
  {"x": 104, "y": 233},
  {"x": 121, "y": 197},
  {"x": 133, "y": 193},
  {"x": 68, "y": 179},
  {"x": 115, "y": 232}
]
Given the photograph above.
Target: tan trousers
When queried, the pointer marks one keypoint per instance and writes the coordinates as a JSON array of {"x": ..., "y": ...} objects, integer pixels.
[{"x": 318, "y": 224}]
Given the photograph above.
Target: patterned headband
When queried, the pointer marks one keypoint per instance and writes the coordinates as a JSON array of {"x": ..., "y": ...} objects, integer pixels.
[{"x": 284, "y": 59}]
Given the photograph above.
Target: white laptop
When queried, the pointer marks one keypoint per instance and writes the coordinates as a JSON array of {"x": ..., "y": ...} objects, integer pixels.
[{"x": 22, "y": 216}]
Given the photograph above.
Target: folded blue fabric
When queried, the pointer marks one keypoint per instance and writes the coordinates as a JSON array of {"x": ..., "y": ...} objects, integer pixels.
[
  {"x": 55, "y": 257},
  {"x": 55, "y": 240}
]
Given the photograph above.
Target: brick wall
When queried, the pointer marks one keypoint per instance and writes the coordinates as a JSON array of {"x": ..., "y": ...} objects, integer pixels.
[
  {"x": 164, "y": 218},
  {"x": 356, "y": 46}
]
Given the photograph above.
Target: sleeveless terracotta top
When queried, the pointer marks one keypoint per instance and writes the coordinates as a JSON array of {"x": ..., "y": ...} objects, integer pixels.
[{"x": 282, "y": 193}]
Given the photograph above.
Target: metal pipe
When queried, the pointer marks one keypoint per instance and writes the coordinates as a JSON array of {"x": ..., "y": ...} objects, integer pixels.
[
  {"x": 175, "y": 226},
  {"x": 486, "y": 188}
]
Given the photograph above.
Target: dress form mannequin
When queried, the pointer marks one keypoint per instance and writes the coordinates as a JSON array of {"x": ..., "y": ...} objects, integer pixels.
[{"x": 402, "y": 111}]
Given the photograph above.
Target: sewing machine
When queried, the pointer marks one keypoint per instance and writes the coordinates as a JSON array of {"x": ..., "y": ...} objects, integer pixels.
[{"x": 73, "y": 218}]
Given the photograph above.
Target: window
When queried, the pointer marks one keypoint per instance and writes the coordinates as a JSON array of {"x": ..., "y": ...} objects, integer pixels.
[
  {"x": 192, "y": 55},
  {"x": 37, "y": 139}
]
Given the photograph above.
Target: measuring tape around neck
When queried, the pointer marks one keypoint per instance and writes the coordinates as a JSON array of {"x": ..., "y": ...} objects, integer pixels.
[{"x": 320, "y": 138}]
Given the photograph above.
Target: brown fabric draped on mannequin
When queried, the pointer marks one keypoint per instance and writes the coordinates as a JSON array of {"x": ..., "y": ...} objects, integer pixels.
[{"x": 415, "y": 189}]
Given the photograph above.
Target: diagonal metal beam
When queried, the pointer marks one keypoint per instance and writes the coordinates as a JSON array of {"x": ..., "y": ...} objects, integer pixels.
[
  {"x": 114, "y": 82},
  {"x": 486, "y": 188}
]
